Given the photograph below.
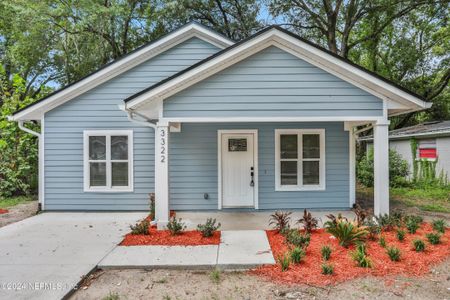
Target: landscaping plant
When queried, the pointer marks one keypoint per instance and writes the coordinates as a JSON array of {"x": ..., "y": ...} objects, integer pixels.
[
  {"x": 297, "y": 255},
  {"x": 175, "y": 226},
  {"x": 434, "y": 238},
  {"x": 382, "y": 241},
  {"x": 208, "y": 228},
  {"x": 346, "y": 232},
  {"x": 326, "y": 252},
  {"x": 280, "y": 220},
  {"x": 400, "y": 234},
  {"x": 327, "y": 269},
  {"x": 140, "y": 228},
  {"x": 393, "y": 253},
  {"x": 414, "y": 218},
  {"x": 308, "y": 221},
  {"x": 284, "y": 261},
  {"x": 215, "y": 275},
  {"x": 360, "y": 256},
  {"x": 419, "y": 245},
  {"x": 412, "y": 225},
  {"x": 373, "y": 229},
  {"x": 439, "y": 225},
  {"x": 298, "y": 239},
  {"x": 361, "y": 214},
  {"x": 386, "y": 222}
]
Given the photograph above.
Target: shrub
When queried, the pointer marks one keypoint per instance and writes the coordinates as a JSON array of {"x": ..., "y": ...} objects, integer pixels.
[
  {"x": 327, "y": 269},
  {"x": 387, "y": 222},
  {"x": 361, "y": 214},
  {"x": 382, "y": 241},
  {"x": 308, "y": 221},
  {"x": 208, "y": 228},
  {"x": 419, "y": 245},
  {"x": 298, "y": 239},
  {"x": 140, "y": 228},
  {"x": 434, "y": 238},
  {"x": 400, "y": 234},
  {"x": 326, "y": 252},
  {"x": 360, "y": 256},
  {"x": 175, "y": 226},
  {"x": 412, "y": 226},
  {"x": 297, "y": 255},
  {"x": 280, "y": 220},
  {"x": 284, "y": 261},
  {"x": 346, "y": 232},
  {"x": 398, "y": 169},
  {"x": 414, "y": 218},
  {"x": 373, "y": 229},
  {"x": 393, "y": 253},
  {"x": 439, "y": 225}
]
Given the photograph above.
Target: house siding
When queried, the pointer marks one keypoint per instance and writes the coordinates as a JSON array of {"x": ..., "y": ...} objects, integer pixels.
[
  {"x": 443, "y": 150},
  {"x": 193, "y": 167},
  {"x": 272, "y": 83},
  {"x": 98, "y": 109}
]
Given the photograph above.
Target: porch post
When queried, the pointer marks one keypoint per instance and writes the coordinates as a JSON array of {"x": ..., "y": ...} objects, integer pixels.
[
  {"x": 162, "y": 174},
  {"x": 381, "y": 168}
]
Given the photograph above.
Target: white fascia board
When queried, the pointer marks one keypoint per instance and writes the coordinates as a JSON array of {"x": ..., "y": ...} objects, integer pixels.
[
  {"x": 275, "y": 37},
  {"x": 122, "y": 65}
]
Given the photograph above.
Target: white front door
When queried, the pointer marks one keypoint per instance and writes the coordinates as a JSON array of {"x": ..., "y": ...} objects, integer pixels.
[{"x": 238, "y": 170}]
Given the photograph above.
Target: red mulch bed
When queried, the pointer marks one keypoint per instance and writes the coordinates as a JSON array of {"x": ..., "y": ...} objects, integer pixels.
[
  {"x": 163, "y": 237},
  {"x": 3, "y": 211},
  {"x": 412, "y": 263}
]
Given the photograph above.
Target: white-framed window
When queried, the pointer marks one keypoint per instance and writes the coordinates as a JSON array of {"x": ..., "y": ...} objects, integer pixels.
[
  {"x": 299, "y": 159},
  {"x": 108, "y": 160},
  {"x": 426, "y": 150}
]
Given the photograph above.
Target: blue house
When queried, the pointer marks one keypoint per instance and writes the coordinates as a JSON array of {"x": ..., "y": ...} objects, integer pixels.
[{"x": 211, "y": 124}]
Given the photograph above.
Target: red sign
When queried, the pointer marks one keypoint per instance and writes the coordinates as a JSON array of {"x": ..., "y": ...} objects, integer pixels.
[{"x": 427, "y": 153}]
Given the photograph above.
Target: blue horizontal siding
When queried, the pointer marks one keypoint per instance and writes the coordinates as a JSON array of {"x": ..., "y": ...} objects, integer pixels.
[
  {"x": 98, "y": 109},
  {"x": 272, "y": 83},
  {"x": 193, "y": 167}
]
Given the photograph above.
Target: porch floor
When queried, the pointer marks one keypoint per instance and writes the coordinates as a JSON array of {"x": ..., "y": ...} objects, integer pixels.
[{"x": 258, "y": 220}]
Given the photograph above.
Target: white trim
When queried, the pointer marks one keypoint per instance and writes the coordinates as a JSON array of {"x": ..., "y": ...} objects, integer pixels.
[
  {"x": 122, "y": 65},
  {"x": 162, "y": 140},
  {"x": 41, "y": 162},
  {"x": 381, "y": 169},
  {"x": 322, "y": 165},
  {"x": 271, "y": 119},
  {"x": 220, "y": 132},
  {"x": 275, "y": 37},
  {"x": 352, "y": 166},
  {"x": 86, "y": 173}
]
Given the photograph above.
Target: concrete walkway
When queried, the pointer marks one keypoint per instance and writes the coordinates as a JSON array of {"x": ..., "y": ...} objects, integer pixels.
[
  {"x": 45, "y": 256},
  {"x": 243, "y": 249}
]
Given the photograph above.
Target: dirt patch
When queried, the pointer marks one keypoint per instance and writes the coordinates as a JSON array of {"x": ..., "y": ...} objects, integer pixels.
[
  {"x": 18, "y": 213},
  {"x": 163, "y": 237},
  {"x": 165, "y": 284}
]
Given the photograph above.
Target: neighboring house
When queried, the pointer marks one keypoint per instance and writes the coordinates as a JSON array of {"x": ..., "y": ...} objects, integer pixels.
[
  {"x": 433, "y": 143},
  {"x": 210, "y": 124}
]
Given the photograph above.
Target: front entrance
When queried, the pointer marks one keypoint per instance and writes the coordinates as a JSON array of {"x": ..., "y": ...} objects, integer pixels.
[{"x": 238, "y": 173}]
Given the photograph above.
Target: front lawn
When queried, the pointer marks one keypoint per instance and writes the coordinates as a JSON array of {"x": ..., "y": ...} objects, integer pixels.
[
  {"x": 13, "y": 201},
  {"x": 433, "y": 199}
]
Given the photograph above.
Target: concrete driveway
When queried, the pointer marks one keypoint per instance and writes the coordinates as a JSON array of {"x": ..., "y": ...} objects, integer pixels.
[{"x": 45, "y": 256}]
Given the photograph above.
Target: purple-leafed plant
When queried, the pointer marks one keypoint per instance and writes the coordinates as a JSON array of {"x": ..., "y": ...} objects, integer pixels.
[
  {"x": 280, "y": 220},
  {"x": 308, "y": 222}
]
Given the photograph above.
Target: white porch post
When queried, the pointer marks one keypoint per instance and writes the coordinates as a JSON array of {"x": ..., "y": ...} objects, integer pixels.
[
  {"x": 162, "y": 174},
  {"x": 381, "y": 168}
]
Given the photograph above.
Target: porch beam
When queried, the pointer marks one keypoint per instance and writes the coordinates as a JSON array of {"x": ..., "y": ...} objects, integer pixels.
[
  {"x": 381, "y": 168},
  {"x": 162, "y": 174}
]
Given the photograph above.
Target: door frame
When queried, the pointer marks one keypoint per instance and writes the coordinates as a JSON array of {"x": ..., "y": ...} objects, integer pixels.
[{"x": 220, "y": 132}]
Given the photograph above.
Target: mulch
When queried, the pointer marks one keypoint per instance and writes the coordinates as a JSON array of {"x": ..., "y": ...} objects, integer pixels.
[
  {"x": 3, "y": 211},
  {"x": 412, "y": 263},
  {"x": 164, "y": 238}
]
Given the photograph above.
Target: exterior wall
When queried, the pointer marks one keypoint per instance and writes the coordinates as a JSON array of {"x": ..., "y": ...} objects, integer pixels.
[
  {"x": 98, "y": 109},
  {"x": 443, "y": 150},
  {"x": 193, "y": 167},
  {"x": 403, "y": 147},
  {"x": 272, "y": 83}
]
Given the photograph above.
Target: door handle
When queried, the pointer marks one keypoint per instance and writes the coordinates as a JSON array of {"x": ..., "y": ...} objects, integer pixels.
[{"x": 252, "y": 173}]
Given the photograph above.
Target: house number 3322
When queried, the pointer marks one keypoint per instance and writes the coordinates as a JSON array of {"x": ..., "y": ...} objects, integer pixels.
[{"x": 163, "y": 151}]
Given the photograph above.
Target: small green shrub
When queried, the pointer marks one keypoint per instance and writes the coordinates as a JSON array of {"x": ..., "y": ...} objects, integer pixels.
[
  {"x": 308, "y": 222},
  {"x": 360, "y": 256},
  {"x": 297, "y": 255},
  {"x": 280, "y": 220},
  {"x": 208, "y": 228},
  {"x": 326, "y": 252},
  {"x": 434, "y": 238},
  {"x": 412, "y": 225},
  {"x": 298, "y": 239},
  {"x": 387, "y": 222},
  {"x": 439, "y": 225},
  {"x": 414, "y": 218},
  {"x": 215, "y": 275},
  {"x": 393, "y": 253},
  {"x": 373, "y": 228},
  {"x": 382, "y": 241},
  {"x": 327, "y": 269},
  {"x": 419, "y": 245},
  {"x": 140, "y": 228},
  {"x": 284, "y": 261},
  {"x": 400, "y": 234},
  {"x": 175, "y": 226},
  {"x": 346, "y": 232}
]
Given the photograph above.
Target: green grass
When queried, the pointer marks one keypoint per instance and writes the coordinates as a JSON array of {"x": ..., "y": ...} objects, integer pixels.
[
  {"x": 432, "y": 199},
  {"x": 9, "y": 202}
]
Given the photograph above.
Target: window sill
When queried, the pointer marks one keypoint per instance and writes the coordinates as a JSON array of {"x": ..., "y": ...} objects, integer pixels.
[
  {"x": 299, "y": 189},
  {"x": 124, "y": 190}
]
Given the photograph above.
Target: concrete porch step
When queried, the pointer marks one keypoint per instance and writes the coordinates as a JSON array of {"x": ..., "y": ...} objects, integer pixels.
[{"x": 240, "y": 249}]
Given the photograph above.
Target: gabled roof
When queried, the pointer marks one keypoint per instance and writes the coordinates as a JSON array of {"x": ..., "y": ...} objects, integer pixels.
[
  {"x": 36, "y": 110},
  {"x": 428, "y": 129},
  {"x": 399, "y": 99}
]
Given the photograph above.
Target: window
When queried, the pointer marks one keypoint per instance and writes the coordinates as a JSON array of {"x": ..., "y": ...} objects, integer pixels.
[
  {"x": 427, "y": 150},
  {"x": 300, "y": 159},
  {"x": 108, "y": 161}
]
